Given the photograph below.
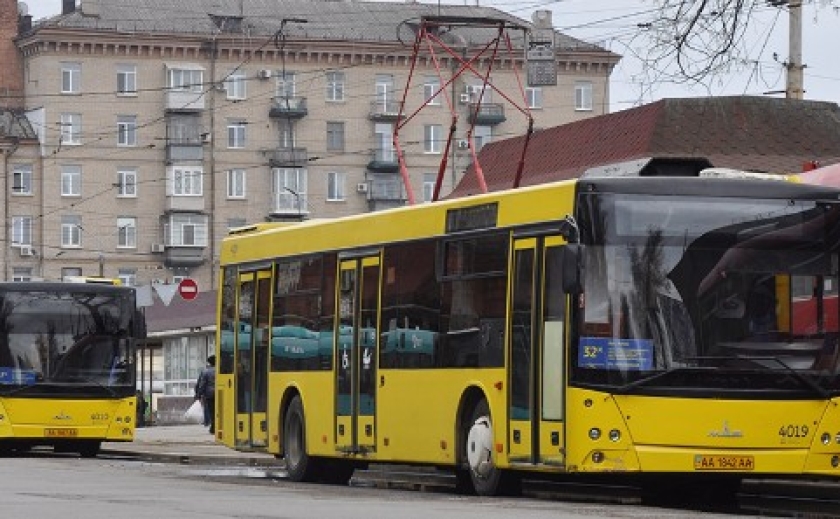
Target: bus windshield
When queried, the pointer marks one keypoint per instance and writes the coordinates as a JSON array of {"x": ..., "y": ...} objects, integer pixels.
[
  {"x": 65, "y": 340},
  {"x": 687, "y": 292}
]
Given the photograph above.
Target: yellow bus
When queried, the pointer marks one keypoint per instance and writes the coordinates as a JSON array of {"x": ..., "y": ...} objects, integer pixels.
[
  {"x": 592, "y": 326},
  {"x": 67, "y": 365}
]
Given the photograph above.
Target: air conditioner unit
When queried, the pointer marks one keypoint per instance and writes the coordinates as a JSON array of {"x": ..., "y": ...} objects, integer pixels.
[
  {"x": 206, "y": 138},
  {"x": 264, "y": 74},
  {"x": 463, "y": 144},
  {"x": 27, "y": 250},
  {"x": 465, "y": 98},
  {"x": 362, "y": 187},
  {"x": 221, "y": 87},
  {"x": 158, "y": 247}
]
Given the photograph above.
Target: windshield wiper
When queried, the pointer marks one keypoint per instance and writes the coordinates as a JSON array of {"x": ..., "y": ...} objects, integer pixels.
[
  {"x": 650, "y": 378},
  {"x": 819, "y": 390},
  {"x": 69, "y": 381}
]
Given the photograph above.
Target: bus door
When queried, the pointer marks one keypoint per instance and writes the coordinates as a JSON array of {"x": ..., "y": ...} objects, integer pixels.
[
  {"x": 251, "y": 370},
  {"x": 356, "y": 353},
  {"x": 537, "y": 352}
]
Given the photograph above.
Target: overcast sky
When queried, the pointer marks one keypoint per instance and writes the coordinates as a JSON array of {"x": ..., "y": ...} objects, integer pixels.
[{"x": 614, "y": 24}]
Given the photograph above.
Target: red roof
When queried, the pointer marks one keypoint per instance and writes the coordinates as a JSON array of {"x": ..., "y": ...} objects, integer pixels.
[{"x": 742, "y": 132}]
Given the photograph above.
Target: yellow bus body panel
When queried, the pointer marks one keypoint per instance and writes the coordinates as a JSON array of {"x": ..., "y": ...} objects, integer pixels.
[
  {"x": 659, "y": 434},
  {"x": 44, "y": 419}
]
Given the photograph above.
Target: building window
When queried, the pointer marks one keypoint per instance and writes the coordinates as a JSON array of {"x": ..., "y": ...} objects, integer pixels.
[
  {"x": 236, "y": 134},
  {"x": 185, "y": 80},
  {"x": 432, "y": 134},
  {"x": 583, "y": 95},
  {"x": 128, "y": 277},
  {"x": 71, "y": 129},
  {"x": 286, "y": 85},
  {"x": 235, "y": 85},
  {"x": 186, "y": 230},
  {"x": 71, "y": 231},
  {"x": 21, "y": 274},
  {"x": 71, "y": 78},
  {"x": 70, "y": 272},
  {"x": 429, "y": 180},
  {"x": 534, "y": 97},
  {"x": 335, "y": 136},
  {"x": 21, "y": 230},
  {"x": 431, "y": 85},
  {"x": 127, "y": 130},
  {"x": 126, "y": 79},
  {"x": 335, "y": 187},
  {"x": 384, "y": 142},
  {"x": 127, "y": 232},
  {"x": 127, "y": 182},
  {"x": 335, "y": 86},
  {"x": 71, "y": 180},
  {"x": 482, "y": 135},
  {"x": 186, "y": 181},
  {"x": 289, "y": 189},
  {"x": 234, "y": 223},
  {"x": 236, "y": 183},
  {"x": 22, "y": 179}
]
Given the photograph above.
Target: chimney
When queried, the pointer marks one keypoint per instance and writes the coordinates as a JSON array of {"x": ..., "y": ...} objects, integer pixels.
[
  {"x": 11, "y": 73},
  {"x": 68, "y": 6}
]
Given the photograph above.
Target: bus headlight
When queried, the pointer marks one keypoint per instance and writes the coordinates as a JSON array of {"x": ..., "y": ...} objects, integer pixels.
[
  {"x": 825, "y": 438},
  {"x": 835, "y": 461},
  {"x": 615, "y": 435},
  {"x": 837, "y": 438},
  {"x": 598, "y": 456},
  {"x": 594, "y": 433}
]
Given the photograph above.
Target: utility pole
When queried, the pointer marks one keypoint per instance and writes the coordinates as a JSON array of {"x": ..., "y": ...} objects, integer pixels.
[{"x": 795, "y": 83}]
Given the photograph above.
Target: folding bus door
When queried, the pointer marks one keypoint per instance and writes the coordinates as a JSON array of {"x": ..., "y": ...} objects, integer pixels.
[
  {"x": 537, "y": 352},
  {"x": 356, "y": 354},
  {"x": 251, "y": 358}
]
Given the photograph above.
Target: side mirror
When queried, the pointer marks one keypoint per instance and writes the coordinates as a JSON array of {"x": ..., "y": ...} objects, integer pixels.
[{"x": 573, "y": 268}]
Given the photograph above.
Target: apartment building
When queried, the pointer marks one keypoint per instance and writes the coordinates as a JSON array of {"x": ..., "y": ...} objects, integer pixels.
[{"x": 160, "y": 128}]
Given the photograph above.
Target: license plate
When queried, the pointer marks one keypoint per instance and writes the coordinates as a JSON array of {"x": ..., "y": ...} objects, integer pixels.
[
  {"x": 715, "y": 462},
  {"x": 63, "y": 432}
]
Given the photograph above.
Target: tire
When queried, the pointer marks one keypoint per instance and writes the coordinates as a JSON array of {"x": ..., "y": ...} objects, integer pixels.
[
  {"x": 89, "y": 448},
  {"x": 299, "y": 465},
  {"x": 478, "y": 448}
]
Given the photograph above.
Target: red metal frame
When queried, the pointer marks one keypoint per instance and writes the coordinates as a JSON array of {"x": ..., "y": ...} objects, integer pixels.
[{"x": 427, "y": 38}]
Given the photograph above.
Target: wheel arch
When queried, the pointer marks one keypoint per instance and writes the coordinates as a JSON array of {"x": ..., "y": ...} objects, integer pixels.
[
  {"x": 288, "y": 395},
  {"x": 471, "y": 396}
]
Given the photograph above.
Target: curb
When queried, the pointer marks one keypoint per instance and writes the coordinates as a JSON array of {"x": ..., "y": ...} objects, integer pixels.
[{"x": 175, "y": 458}]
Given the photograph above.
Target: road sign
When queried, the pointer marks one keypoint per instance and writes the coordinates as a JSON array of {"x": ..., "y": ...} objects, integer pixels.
[{"x": 188, "y": 289}]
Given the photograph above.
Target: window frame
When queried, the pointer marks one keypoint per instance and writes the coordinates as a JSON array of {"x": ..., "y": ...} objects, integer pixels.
[
  {"x": 127, "y": 130},
  {"x": 583, "y": 96},
  {"x": 336, "y": 82},
  {"x": 336, "y": 186},
  {"x": 22, "y": 179},
  {"x": 71, "y": 129},
  {"x": 21, "y": 230},
  {"x": 126, "y": 232},
  {"x": 71, "y": 180},
  {"x": 237, "y": 182},
  {"x": 127, "y": 183},
  {"x": 126, "y": 79},
  {"x": 432, "y": 134},
  {"x": 71, "y": 77},
  {"x": 186, "y": 181}
]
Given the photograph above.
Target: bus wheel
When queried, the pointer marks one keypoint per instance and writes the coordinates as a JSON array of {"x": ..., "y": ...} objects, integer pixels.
[
  {"x": 299, "y": 465},
  {"x": 485, "y": 477},
  {"x": 89, "y": 448}
]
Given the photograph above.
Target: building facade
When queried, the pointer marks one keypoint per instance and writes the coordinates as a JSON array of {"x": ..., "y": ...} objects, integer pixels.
[{"x": 159, "y": 130}]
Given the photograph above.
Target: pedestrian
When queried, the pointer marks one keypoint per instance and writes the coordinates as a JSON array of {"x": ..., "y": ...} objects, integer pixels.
[{"x": 205, "y": 391}]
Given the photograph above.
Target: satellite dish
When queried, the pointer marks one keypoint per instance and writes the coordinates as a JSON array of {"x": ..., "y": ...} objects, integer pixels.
[{"x": 23, "y": 9}]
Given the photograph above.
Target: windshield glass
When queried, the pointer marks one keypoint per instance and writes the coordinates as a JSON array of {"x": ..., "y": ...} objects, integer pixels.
[
  {"x": 682, "y": 290},
  {"x": 66, "y": 339}
]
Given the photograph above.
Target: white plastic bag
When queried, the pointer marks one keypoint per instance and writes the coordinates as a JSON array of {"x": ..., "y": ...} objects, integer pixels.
[{"x": 195, "y": 413}]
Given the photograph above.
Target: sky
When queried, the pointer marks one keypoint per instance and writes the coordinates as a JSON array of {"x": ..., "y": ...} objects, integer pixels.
[{"x": 614, "y": 25}]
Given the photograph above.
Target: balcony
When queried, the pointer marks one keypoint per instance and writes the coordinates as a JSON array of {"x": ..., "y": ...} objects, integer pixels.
[
  {"x": 288, "y": 205},
  {"x": 488, "y": 113},
  {"x": 184, "y": 100},
  {"x": 175, "y": 256},
  {"x": 385, "y": 194},
  {"x": 184, "y": 149},
  {"x": 184, "y": 203},
  {"x": 384, "y": 161},
  {"x": 385, "y": 110},
  {"x": 288, "y": 107},
  {"x": 288, "y": 158}
]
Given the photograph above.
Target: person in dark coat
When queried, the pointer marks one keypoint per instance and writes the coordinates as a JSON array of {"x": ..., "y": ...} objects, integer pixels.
[{"x": 205, "y": 391}]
